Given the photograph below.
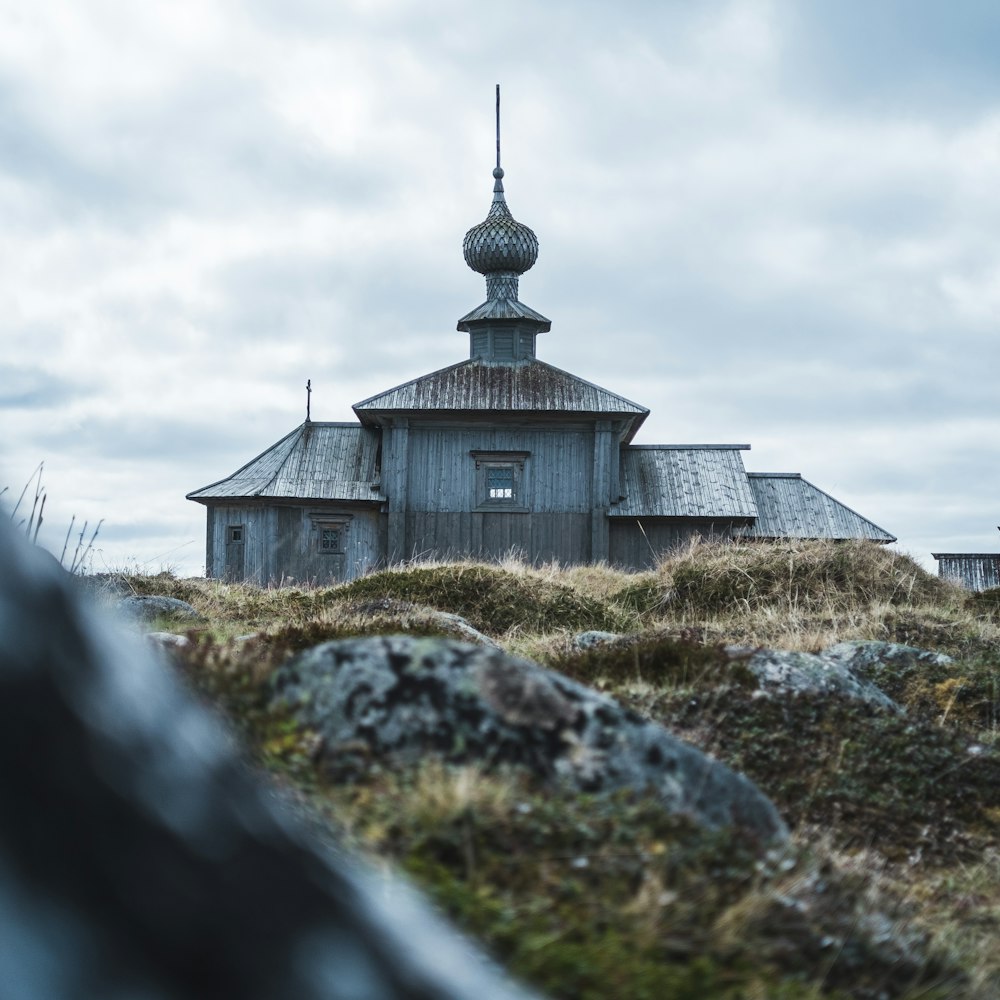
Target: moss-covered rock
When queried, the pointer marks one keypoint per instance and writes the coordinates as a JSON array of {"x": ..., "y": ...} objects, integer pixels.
[
  {"x": 902, "y": 786},
  {"x": 595, "y": 897},
  {"x": 391, "y": 702}
]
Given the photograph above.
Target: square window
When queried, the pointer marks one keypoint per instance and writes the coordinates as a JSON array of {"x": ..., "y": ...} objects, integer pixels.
[
  {"x": 500, "y": 483},
  {"x": 329, "y": 532},
  {"x": 236, "y": 533},
  {"x": 499, "y": 480}
]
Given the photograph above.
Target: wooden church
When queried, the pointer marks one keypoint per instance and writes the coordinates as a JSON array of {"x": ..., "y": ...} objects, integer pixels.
[{"x": 500, "y": 452}]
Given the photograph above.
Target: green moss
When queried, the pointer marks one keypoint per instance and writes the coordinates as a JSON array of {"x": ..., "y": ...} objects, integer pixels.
[
  {"x": 900, "y": 785},
  {"x": 986, "y": 602},
  {"x": 662, "y": 661},
  {"x": 611, "y": 897},
  {"x": 964, "y": 694},
  {"x": 491, "y": 599}
]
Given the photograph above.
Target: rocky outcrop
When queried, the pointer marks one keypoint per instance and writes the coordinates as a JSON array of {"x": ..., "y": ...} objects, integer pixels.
[
  {"x": 140, "y": 857},
  {"x": 153, "y": 607},
  {"x": 595, "y": 637},
  {"x": 784, "y": 672},
  {"x": 398, "y": 699},
  {"x": 872, "y": 660},
  {"x": 446, "y": 621}
]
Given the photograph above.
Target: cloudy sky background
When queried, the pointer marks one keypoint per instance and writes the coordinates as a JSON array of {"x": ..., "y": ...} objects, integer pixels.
[{"x": 769, "y": 221}]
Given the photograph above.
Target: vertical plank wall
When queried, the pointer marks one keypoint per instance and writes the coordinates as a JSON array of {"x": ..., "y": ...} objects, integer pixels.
[
  {"x": 556, "y": 486},
  {"x": 281, "y": 544}
]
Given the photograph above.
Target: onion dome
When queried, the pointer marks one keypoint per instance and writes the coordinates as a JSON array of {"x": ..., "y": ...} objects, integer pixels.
[{"x": 500, "y": 243}]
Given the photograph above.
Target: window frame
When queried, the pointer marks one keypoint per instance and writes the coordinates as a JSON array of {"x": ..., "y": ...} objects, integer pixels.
[
  {"x": 330, "y": 522},
  {"x": 515, "y": 462}
]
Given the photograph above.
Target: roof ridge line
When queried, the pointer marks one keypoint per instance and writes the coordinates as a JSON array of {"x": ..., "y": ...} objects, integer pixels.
[{"x": 692, "y": 447}]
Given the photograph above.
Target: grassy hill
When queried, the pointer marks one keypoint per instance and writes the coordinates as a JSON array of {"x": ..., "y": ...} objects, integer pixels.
[{"x": 890, "y": 885}]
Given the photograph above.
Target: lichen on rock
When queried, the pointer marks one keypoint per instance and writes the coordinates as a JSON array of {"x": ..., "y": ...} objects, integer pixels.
[{"x": 407, "y": 698}]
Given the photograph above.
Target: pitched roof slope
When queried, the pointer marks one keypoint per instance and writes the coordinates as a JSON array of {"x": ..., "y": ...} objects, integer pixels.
[
  {"x": 316, "y": 461},
  {"x": 789, "y": 506},
  {"x": 530, "y": 386},
  {"x": 684, "y": 481}
]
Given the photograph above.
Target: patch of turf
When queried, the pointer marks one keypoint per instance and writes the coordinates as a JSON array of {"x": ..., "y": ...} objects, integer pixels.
[
  {"x": 662, "y": 661},
  {"x": 491, "y": 598},
  {"x": 964, "y": 694},
  {"x": 753, "y": 576},
  {"x": 902, "y": 786},
  {"x": 987, "y": 602},
  {"x": 596, "y": 897}
]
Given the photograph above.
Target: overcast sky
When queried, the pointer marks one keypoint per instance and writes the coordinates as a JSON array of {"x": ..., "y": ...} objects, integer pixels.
[{"x": 769, "y": 221}]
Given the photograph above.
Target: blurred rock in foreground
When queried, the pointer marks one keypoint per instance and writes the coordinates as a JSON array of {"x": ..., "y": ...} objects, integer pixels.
[{"x": 139, "y": 857}]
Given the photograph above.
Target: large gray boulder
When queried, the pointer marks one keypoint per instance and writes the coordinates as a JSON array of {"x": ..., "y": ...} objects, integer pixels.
[
  {"x": 402, "y": 698},
  {"x": 149, "y": 608},
  {"x": 857, "y": 669},
  {"x": 781, "y": 672},
  {"x": 872, "y": 660},
  {"x": 139, "y": 857}
]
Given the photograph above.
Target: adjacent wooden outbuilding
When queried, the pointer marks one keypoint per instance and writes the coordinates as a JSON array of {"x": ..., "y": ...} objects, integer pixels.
[
  {"x": 496, "y": 453},
  {"x": 972, "y": 570}
]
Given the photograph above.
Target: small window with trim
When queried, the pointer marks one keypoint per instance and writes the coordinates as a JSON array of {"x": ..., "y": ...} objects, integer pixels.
[
  {"x": 329, "y": 533},
  {"x": 329, "y": 539},
  {"x": 235, "y": 533},
  {"x": 500, "y": 479}
]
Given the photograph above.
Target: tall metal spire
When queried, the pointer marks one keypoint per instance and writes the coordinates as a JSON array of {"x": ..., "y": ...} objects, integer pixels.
[{"x": 498, "y": 126}]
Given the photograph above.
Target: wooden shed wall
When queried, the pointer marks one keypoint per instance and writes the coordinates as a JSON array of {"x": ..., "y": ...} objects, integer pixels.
[
  {"x": 442, "y": 487},
  {"x": 441, "y": 474},
  {"x": 280, "y": 542},
  {"x": 974, "y": 571},
  {"x": 637, "y": 543},
  {"x": 538, "y": 537}
]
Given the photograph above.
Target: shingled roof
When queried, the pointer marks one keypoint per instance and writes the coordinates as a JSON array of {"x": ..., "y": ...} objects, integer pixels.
[
  {"x": 528, "y": 387},
  {"x": 316, "y": 461},
  {"x": 789, "y": 506},
  {"x": 685, "y": 481}
]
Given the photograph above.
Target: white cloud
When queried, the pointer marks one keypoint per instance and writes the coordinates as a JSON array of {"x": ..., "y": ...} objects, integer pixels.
[{"x": 208, "y": 203}]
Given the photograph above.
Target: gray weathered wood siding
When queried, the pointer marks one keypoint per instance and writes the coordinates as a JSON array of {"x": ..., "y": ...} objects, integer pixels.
[
  {"x": 972, "y": 570},
  {"x": 280, "y": 543},
  {"x": 442, "y": 491},
  {"x": 538, "y": 538},
  {"x": 638, "y": 542},
  {"x": 441, "y": 472}
]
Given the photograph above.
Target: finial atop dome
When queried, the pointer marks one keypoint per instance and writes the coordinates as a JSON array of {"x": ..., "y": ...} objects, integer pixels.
[
  {"x": 502, "y": 330},
  {"x": 500, "y": 244}
]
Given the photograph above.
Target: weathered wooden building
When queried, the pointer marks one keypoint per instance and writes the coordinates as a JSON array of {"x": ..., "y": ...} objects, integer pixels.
[
  {"x": 972, "y": 570},
  {"x": 498, "y": 452}
]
